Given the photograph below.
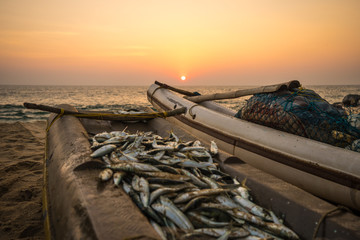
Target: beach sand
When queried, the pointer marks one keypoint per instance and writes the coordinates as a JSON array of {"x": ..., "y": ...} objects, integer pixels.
[{"x": 21, "y": 177}]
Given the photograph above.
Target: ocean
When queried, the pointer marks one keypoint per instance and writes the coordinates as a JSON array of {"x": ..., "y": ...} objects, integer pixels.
[{"x": 113, "y": 98}]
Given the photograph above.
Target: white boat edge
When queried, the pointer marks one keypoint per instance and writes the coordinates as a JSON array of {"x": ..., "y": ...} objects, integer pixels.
[{"x": 305, "y": 163}]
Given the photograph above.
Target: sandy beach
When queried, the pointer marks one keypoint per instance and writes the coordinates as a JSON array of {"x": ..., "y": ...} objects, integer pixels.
[{"x": 21, "y": 158}]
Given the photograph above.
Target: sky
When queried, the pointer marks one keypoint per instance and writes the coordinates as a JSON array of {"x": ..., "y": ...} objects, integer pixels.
[{"x": 211, "y": 42}]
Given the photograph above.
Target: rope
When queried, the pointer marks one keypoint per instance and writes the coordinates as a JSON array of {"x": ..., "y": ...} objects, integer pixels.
[
  {"x": 190, "y": 111},
  {"x": 325, "y": 215},
  {"x": 45, "y": 207},
  {"x": 165, "y": 114},
  {"x": 56, "y": 118}
]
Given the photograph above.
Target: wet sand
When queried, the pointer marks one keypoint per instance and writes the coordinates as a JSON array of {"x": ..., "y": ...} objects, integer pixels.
[{"x": 21, "y": 163}]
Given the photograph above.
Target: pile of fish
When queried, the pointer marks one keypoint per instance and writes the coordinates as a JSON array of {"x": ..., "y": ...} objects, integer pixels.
[{"x": 181, "y": 190}]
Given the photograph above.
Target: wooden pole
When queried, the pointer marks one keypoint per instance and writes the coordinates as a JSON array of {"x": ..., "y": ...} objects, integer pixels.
[
  {"x": 245, "y": 92},
  {"x": 178, "y": 90},
  {"x": 106, "y": 116}
]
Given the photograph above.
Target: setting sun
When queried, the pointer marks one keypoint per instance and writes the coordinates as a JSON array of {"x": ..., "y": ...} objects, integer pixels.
[{"x": 244, "y": 45}]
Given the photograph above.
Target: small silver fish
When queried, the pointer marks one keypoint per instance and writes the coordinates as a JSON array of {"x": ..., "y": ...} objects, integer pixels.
[
  {"x": 133, "y": 167},
  {"x": 252, "y": 207},
  {"x": 144, "y": 191},
  {"x": 118, "y": 176},
  {"x": 105, "y": 174},
  {"x": 217, "y": 232},
  {"x": 159, "y": 230},
  {"x": 214, "y": 148},
  {"x": 101, "y": 137},
  {"x": 281, "y": 230},
  {"x": 184, "y": 197},
  {"x": 103, "y": 151},
  {"x": 195, "y": 164},
  {"x": 206, "y": 220}
]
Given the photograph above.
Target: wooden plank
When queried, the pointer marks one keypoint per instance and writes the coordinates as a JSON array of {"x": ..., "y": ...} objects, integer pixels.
[
  {"x": 106, "y": 116},
  {"x": 245, "y": 92}
]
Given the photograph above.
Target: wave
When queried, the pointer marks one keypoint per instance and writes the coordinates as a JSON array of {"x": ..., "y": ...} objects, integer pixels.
[
  {"x": 16, "y": 112},
  {"x": 11, "y": 106}
]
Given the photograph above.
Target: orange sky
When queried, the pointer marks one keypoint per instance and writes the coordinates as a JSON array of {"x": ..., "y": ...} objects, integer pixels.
[{"x": 230, "y": 42}]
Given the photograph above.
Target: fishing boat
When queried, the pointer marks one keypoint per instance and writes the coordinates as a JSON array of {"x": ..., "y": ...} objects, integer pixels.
[
  {"x": 329, "y": 172},
  {"x": 76, "y": 205}
]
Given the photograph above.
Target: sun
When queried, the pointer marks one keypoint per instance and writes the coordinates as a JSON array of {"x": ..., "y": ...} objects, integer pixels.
[{"x": 183, "y": 78}]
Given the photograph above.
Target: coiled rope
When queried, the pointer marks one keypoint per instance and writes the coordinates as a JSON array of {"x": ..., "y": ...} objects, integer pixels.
[{"x": 326, "y": 214}]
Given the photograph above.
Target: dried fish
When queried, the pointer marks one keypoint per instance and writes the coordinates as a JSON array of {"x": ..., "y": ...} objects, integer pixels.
[{"x": 178, "y": 187}]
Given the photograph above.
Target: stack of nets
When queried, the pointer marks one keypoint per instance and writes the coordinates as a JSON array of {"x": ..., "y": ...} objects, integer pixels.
[{"x": 302, "y": 112}]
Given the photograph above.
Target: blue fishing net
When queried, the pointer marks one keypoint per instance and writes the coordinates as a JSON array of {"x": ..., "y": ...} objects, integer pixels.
[{"x": 302, "y": 112}]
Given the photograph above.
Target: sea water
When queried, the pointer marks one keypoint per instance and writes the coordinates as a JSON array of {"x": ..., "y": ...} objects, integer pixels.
[{"x": 113, "y": 98}]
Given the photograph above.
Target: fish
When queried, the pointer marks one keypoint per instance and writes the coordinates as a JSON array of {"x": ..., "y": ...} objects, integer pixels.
[
  {"x": 103, "y": 151},
  {"x": 136, "y": 198},
  {"x": 162, "y": 147},
  {"x": 105, "y": 174},
  {"x": 133, "y": 167},
  {"x": 242, "y": 190},
  {"x": 207, "y": 221},
  {"x": 227, "y": 201},
  {"x": 128, "y": 156},
  {"x": 160, "y": 191},
  {"x": 115, "y": 140},
  {"x": 194, "y": 179},
  {"x": 172, "y": 214},
  {"x": 144, "y": 191},
  {"x": 119, "y": 133},
  {"x": 184, "y": 197},
  {"x": 159, "y": 230},
  {"x": 168, "y": 169},
  {"x": 258, "y": 232},
  {"x": 114, "y": 158},
  {"x": 214, "y": 150},
  {"x": 118, "y": 176},
  {"x": 210, "y": 182},
  {"x": 281, "y": 230},
  {"x": 194, "y": 201},
  {"x": 252, "y": 207},
  {"x": 246, "y": 216},
  {"x": 180, "y": 189},
  {"x": 106, "y": 159},
  {"x": 158, "y": 180},
  {"x": 167, "y": 202},
  {"x": 195, "y": 164},
  {"x": 165, "y": 175},
  {"x": 193, "y": 148},
  {"x": 173, "y": 135},
  {"x": 217, "y": 232},
  {"x": 101, "y": 137},
  {"x": 275, "y": 219}
]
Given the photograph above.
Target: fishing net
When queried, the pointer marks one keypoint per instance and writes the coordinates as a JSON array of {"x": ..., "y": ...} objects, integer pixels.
[{"x": 302, "y": 112}]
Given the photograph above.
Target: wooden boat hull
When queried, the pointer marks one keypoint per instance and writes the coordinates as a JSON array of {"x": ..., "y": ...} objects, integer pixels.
[
  {"x": 78, "y": 206},
  {"x": 326, "y": 171}
]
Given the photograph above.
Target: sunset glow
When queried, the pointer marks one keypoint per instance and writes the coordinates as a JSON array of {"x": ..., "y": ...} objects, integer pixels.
[
  {"x": 183, "y": 78},
  {"x": 137, "y": 42}
]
